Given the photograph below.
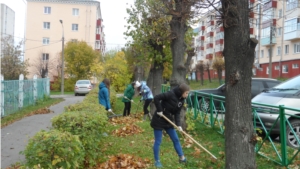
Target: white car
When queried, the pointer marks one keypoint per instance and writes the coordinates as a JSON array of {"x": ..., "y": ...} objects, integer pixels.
[{"x": 82, "y": 87}]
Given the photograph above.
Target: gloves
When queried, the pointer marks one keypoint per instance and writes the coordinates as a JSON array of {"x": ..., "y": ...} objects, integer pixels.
[
  {"x": 160, "y": 113},
  {"x": 180, "y": 129},
  {"x": 140, "y": 93},
  {"x": 109, "y": 110},
  {"x": 132, "y": 101}
]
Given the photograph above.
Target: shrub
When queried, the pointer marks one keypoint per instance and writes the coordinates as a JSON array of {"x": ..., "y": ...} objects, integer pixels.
[
  {"x": 88, "y": 125},
  {"x": 54, "y": 149}
]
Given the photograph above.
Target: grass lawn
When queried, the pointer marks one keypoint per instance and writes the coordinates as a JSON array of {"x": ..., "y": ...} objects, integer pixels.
[
  {"x": 59, "y": 93},
  {"x": 140, "y": 145},
  {"x": 28, "y": 111},
  {"x": 206, "y": 84}
]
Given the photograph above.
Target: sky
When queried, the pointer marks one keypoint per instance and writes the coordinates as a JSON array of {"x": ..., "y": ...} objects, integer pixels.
[{"x": 113, "y": 14}]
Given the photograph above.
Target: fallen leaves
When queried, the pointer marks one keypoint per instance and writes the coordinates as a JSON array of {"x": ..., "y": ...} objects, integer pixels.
[
  {"x": 129, "y": 129},
  {"x": 125, "y": 120},
  {"x": 125, "y": 161}
]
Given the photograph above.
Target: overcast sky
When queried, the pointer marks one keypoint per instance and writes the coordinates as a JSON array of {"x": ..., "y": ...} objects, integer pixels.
[{"x": 113, "y": 13}]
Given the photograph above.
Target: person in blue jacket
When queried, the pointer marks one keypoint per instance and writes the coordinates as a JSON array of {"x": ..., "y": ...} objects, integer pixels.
[
  {"x": 147, "y": 96},
  {"x": 103, "y": 94}
]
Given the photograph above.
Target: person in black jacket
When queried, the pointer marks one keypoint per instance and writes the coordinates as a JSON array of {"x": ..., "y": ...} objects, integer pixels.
[{"x": 168, "y": 104}]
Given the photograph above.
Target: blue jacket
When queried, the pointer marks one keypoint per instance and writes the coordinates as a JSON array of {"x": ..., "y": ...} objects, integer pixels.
[
  {"x": 103, "y": 96},
  {"x": 145, "y": 91}
]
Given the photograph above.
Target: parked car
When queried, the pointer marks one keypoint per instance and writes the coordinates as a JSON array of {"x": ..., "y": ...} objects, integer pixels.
[
  {"x": 287, "y": 94},
  {"x": 257, "y": 86},
  {"x": 82, "y": 87}
]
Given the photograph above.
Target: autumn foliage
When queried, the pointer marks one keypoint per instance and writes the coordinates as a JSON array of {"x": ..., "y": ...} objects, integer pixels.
[{"x": 125, "y": 161}]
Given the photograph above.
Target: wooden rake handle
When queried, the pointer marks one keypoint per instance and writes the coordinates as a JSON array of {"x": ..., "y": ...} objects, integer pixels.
[{"x": 189, "y": 137}]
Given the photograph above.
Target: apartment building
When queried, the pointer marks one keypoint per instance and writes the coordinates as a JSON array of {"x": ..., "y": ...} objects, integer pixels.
[
  {"x": 7, "y": 25},
  {"x": 49, "y": 20},
  {"x": 279, "y": 18}
]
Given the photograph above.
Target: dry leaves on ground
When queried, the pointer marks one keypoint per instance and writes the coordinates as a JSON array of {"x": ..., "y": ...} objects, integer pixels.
[
  {"x": 125, "y": 161},
  {"x": 125, "y": 120},
  {"x": 128, "y": 129}
]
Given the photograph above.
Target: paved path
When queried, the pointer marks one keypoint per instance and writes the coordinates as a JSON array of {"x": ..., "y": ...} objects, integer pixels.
[{"x": 14, "y": 137}]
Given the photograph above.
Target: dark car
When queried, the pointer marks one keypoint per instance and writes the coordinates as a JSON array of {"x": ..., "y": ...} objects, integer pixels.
[
  {"x": 257, "y": 86},
  {"x": 287, "y": 94}
]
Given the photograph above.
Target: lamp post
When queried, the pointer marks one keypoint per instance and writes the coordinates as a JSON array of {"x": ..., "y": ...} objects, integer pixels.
[{"x": 62, "y": 64}]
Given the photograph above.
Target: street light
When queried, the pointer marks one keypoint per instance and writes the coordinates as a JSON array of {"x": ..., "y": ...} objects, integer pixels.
[{"x": 62, "y": 64}]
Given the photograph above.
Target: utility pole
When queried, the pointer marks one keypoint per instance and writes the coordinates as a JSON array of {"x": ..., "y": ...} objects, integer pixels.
[
  {"x": 282, "y": 38},
  {"x": 259, "y": 31},
  {"x": 62, "y": 63},
  {"x": 270, "y": 57}
]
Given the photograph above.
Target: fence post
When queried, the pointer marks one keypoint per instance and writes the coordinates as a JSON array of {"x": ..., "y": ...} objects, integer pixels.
[
  {"x": 21, "y": 92},
  {"x": 211, "y": 110},
  {"x": 35, "y": 93},
  {"x": 2, "y": 96},
  {"x": 283, "y": 135},
  {"x": 48, "y": 87}
]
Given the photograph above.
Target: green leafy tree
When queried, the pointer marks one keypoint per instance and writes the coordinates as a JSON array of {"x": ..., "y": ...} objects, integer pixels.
[
  {"x": 80, "y": 58},
  {"x": 11, "y": 59}
]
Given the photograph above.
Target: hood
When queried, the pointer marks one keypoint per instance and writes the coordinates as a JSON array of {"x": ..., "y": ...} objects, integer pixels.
[
  {"x": 177, "y": 92},
  {"x": 264, "y": 99},
  {"x": 102, "y": 85},
  {"x": 143, "y": 83}
]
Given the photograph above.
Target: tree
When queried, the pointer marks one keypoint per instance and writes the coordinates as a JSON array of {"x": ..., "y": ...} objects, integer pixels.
[
  {"x": 43, "y": 65},
  {"x": 200, "y": 68},
  {"x": 79, "y": 57},
  {"x": 207, "y": 68},
  {"x": 219, "y": 65},
  {"x": 11, "y": 59},
  {"x": 240, "y": 136}
]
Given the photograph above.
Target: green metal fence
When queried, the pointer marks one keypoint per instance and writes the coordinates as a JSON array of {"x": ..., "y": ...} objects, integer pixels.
[
  {"x": 16, "y": 94},
  {"x": 210, "y": 110}
]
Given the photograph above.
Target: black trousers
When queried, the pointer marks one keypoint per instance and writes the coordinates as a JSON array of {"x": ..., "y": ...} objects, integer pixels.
[
  {"x": 127, "y": 108},
  {"x": 146, "y": 105}
]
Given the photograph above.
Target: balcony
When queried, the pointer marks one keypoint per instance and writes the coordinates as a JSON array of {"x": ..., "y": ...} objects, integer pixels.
[
  {"x": 209, "y": 56},
  {"x": 97, "y": 36},
  {"x": 252, "y": 1},
  {"x": 98, "y": 22},
  {"x": 293, "y": 35},
  {"x": 202, "y": 38},
  {"x": 220, "y": 29},
  {"x": 210, "y": 23},
  {"x": 209, "y": 45},
  {"x": 270, "y": 4},
  {"x": 266, "y": 41},
  {"x": 201, "y": 48},
  {"x": 210, "y": 34},
  {"x": 251, "y": 14},
  {"x": 220, "y": 42},
  {"x": 202, "y": 28},
  {"x": 268, "y": 23}
]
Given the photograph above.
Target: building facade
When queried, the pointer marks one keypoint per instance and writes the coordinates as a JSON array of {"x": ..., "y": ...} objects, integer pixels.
[
  {"x": 7, "y": 26},
  {"x": 48, "y": 20},
  {"x": 281, "y": 19}
]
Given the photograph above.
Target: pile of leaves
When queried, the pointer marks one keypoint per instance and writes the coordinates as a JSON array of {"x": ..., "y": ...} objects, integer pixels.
[
  {"x": 124, "y": 161},
  {"x": 127, "y": 130},
  {"x": 125, "y": 120}
]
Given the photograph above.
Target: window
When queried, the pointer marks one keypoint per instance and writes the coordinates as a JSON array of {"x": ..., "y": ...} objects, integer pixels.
[
  {"x": 46, "y": 25},
  {"x": 262, "y": 53},
  {"x": 267, "y": 70},
  {"x": 295, "y": 66},
  {"x": 46, "y": 41},
  {"x": 73, "y": 40},
  {"x": 280, "y": 13},
  {"x": 292, "y": 25},
  {"x": 286, "y": 49},
  {"x": 278, "y": 31},
  {"x": 291, "y": 4},
  {"x": 47, "y": 10},
  {"x": 285, "y": 69},
  {"x": 45, "y": 56},
  {"x": 276, "y": 67},
  {"x": 257, "y": 87},
  {"x": 75, "y": 11},
  {"x": 74, "y": 27},
  {"x": 297, "y": 48},
  {"x": 279, "y": 50}
]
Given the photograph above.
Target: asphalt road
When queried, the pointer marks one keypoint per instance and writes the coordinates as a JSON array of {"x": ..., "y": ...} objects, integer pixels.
[{"x": 14, "y": 137}]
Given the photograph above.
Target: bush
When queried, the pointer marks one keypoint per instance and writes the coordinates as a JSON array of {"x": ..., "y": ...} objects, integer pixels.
[
  {"x": 88, "y": 125},
  {"x": 54, "y": 149}
]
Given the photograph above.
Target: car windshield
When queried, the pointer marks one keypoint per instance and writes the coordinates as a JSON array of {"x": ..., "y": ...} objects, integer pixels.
[
  {"x": 83, "y": 82},
  {"x": 291, "y": 86}
]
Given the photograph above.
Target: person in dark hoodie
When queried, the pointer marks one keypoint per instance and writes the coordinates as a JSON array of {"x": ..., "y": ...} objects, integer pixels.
[
  {"x": 168, "y": 104},
  {"x": 127, "y": 99},
  {"x": 103, "y": 94}
]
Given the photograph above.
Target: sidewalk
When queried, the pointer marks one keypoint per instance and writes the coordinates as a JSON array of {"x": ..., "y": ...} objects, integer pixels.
[{"x": 14, "y": 137}]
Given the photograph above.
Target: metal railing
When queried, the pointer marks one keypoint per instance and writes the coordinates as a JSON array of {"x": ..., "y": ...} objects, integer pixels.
[
  {"x": 16, "y": 94},
  {"x": 210, "y": 110}
]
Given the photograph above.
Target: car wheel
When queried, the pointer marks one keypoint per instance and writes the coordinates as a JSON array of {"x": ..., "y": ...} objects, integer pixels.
[
  {"x": 291, "y": 138},
  {"x": 76, "y": 94},
  {"x": 204, "y": 105}
]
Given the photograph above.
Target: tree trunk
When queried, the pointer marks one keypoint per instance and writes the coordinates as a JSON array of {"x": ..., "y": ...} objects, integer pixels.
[
  {"x": 208, "y": 72},
  {"x": 190, "y": 54},
  {"x": 201, "y": 77},
  {"x": 239, "y": 57},
  {"x": 220, "y": 76}
]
